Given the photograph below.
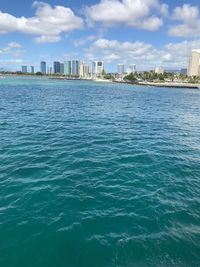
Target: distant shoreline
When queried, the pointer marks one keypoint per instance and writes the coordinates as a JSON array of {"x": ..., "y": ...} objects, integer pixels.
[{"x": 142, "y": 83}]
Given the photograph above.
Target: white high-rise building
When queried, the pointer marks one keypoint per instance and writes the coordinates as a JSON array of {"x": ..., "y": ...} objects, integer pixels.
[
  {"x": 50, "y": 70},
  {"x": 131, "y": 68},
  {"x": 97, "y": 68},
  {"x": 194, "y": 63},
  {"x": 120, "y": 69},
  {"x": 159, "y": 70}
]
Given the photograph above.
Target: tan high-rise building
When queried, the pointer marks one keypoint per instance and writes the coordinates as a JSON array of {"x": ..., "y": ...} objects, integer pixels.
[
  {"x": 83, "y": 70},
  {"x": 194, "y": 63}
]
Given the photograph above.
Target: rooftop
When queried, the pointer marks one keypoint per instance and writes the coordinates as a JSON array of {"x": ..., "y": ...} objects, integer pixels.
[{"x": 196, "y": 50}]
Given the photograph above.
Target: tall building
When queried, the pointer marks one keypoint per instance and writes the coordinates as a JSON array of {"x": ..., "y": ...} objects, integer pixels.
[
  {"x": 159, "y": 70},
  {"x": 81, "y": 70},
  {"x": 43, "y": 67},
  {"x": 75, "y": 67},
  {"x": 67, "y": 67},
  {"x": 97, "y": 68},
  {"x": 62, "y": 68},
  {"x": 32, "y": 70},
  {"x": 50, "y": 71},
  {"x": 56, "y": 67},
  {"x": 131, "y": 68},
  {"x": 86, "y": 70},
  {"x": 194, "y": 63},
  {"x": 24, "y": 69},
  {"x": 120, "y": 68}
]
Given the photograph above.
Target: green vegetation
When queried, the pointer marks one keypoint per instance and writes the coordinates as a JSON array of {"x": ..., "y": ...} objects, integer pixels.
[
  {"x": 39, "y": 73},
  {"x": 132, "y": 77},
  {"x": 151, "y": 76},
  {"x": 108, "y": 76},
  {"x": 194, "y": 79}
]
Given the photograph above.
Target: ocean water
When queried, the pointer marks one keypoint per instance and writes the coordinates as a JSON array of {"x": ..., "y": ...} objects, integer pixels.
[{"x": 98, "y": 175}]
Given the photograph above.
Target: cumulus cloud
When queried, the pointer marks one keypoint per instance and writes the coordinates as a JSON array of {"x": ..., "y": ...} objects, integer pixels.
[
  {"x": 83, "y": 41},
  {"x": 139, "y": 14},
  {"x": 144, "y": 55},
  {"x": 48, "y": 23},
  {"x": 114, "y": 51},
  {"x": 136, "y": 49},
  {"x": 189, "y": 21},
  {"x": 47, "y": 39},
  {"x": 13, "y": 49}
]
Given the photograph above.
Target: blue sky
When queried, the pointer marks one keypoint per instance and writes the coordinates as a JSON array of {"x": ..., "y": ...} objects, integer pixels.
[{"x": 147, "y": 33}]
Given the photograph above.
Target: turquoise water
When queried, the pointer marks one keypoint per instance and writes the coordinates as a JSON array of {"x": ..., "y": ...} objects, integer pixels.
[{"x": 95, "y": 174}]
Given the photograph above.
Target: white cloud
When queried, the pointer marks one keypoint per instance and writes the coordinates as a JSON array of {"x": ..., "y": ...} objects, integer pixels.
[
  {"x": 47, "y": 39},
  {"x": 83, "y": 41},
  {"x": 144, "y": 55},
  {"x": 14, "y": 45},
  {"x": 111, "y": 57},
  {"x": 115, "y": 51},
  {"x": 139, "y": 14},
  {"x": 135, "y": 49},
  {"x": 190, "y": 21},
  {"x": 164, "y": 9},
  {"x": 13, "y": 49},
  {"x": 48, "y": 22}
]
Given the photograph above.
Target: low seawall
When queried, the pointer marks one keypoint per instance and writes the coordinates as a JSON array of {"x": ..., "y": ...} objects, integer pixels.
[{"x": 165, "y": 85}]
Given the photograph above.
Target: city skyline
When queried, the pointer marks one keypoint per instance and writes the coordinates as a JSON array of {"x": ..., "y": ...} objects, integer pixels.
[
  {"x": 146, "y": 33},
  {"x": 86, "y": 69},
  {"x": 68, "y": 68}
]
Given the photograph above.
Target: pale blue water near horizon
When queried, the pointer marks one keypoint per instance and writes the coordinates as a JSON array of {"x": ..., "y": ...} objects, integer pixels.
[{"x": 96, "y": 174}]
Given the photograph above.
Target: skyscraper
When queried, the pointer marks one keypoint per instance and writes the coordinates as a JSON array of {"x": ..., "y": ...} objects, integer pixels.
[
  {"x": 32, "y": 70},
  {"x": 62, "y": 68},
  {"x": 81, "y": 69},
  {"x": 194, "y": 63},
  {"x": 86, "y": 70},
  {"x": 159, "y": 70},
  {"x": 67, "y": 67},
  {"x": 50, "y": 70},
  {"x": 120, "y": 68},
  {"x": 56, "y": 67},
  {"x": 43, "y": 67},
  {"x": 131, "y": 68},
  {"x": 75, "y": 67},
  {"x": 24, "y": 69},
  {"x": 97, "y": 68}
]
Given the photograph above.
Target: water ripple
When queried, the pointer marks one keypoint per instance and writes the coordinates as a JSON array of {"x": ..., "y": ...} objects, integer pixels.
[{"x": 98, "y": 175}]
